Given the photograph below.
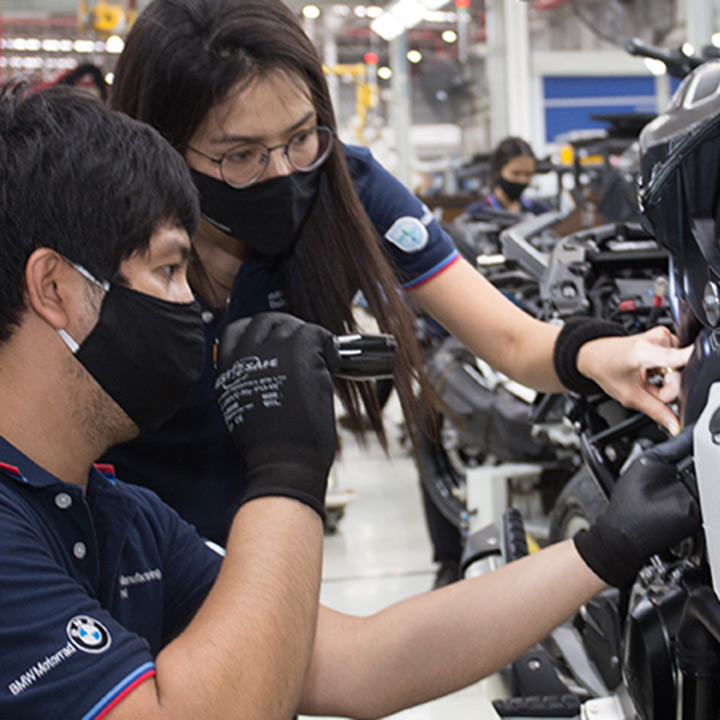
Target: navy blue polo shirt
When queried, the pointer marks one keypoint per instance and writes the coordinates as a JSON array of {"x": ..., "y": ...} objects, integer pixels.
[
  {"x": 191, "y": 462},
  {"x": 536, "y": 207},
  {"x": 91, "y": 588},
  {"x": 420, "y": 249}
]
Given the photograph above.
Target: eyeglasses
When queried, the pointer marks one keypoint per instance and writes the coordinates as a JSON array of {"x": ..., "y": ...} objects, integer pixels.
[{"x": 244, "y": 164}]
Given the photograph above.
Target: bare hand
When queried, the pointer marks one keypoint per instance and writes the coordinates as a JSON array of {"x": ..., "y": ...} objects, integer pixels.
[{"x": 623, "y": 366}]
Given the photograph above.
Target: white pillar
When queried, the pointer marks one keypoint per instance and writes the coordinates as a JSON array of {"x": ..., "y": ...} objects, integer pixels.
[
  {"x": 517, "y": 64},
  {"x": 700, "y": 22},
  {"x": 496, "y": 76},
  {"x": 331, "y": 27},
  {"x": 463, "y": 25},
  {"x": 400, "y": 108}
]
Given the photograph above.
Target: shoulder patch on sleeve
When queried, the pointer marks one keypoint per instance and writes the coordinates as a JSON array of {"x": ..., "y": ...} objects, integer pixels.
[{"x": 408, "y": 233}]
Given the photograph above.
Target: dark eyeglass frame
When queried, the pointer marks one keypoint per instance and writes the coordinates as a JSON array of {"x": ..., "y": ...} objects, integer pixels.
[{"x": 285, "y": 150}]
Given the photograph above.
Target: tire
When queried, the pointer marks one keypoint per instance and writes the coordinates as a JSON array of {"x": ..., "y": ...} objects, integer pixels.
[
  {"x": 579, "y": 504},
  {"x": 441, "y": 479}
]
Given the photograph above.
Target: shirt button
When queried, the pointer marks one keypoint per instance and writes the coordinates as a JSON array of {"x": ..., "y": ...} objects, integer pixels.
[
  {"x": 207, "y": 316},
  {"x": 63, "y": 501},
  {"x": 79, "y": 550}
]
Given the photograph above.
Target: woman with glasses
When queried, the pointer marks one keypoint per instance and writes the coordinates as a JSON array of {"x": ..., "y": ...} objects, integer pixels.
[{"x": 294, "y": 220}]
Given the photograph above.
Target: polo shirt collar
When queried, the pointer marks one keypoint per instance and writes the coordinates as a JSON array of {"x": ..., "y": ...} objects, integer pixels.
[{"x": 19, "y": 467}]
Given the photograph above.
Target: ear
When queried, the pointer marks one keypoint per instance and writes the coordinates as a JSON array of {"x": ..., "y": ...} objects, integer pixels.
[{"x": 49, "y": 287}]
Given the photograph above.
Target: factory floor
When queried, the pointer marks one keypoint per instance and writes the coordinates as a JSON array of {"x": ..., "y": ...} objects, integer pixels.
[{"x": 381, "y": 553}]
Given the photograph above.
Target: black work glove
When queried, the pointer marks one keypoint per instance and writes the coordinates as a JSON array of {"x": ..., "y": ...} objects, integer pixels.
[
  {"x": 276, "y": 394},
  {"x": 651, "y": 508}
]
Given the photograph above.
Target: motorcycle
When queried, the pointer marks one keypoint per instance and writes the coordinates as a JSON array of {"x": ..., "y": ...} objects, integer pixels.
[
  {"x": 487, "y": 419},
  {"x": 651, "y": 651},
  {"x": 492, "y": 423}
]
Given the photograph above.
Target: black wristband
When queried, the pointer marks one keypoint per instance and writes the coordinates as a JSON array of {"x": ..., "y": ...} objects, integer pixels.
[{"x": 574, "y": 334}]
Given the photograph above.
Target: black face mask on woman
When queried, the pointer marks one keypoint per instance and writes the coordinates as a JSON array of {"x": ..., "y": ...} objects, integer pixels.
[
  {"x": 268, "y": 216},
  {"x": 512, "y": 189},
  {"x": 143, "y": 351}
]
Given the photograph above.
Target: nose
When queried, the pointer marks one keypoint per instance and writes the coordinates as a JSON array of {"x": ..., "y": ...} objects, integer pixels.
[
  {"x": 179, "y": 290},
  {"x": 278, "y": 164},
  {"x": 185, "y": 294}
]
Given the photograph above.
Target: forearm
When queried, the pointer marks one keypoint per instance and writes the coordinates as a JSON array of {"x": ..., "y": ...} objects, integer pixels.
[
  {"x": 437, "y": 643},
  {"x": 527, "y": 356},
  {"x": 492, "y": 327},
  {"x": 247, "y": 651}
]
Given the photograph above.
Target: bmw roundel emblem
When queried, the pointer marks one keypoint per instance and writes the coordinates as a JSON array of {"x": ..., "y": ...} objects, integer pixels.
[
  {"x": 408, "y": 233},
  {"x": 88, "y": 634}
]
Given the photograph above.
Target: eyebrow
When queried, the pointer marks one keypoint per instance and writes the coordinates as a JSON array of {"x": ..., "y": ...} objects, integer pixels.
[
  {"x": 172, "y": 249},
  {"x": 225, "y": 139}
]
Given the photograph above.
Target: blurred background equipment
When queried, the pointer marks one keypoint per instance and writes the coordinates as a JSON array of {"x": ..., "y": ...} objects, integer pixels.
[
  {"x": 428, "y": 84},
  {"x": 105, "y": 18}
]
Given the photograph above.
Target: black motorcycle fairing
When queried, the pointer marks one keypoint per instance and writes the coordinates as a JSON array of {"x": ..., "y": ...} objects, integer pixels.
[
  {"x": 486, "y": 417},
  {"x": 680, "y": 191},
  {"x": 648, "y": 669},
  {"x": 702, "y": 370},
  {"x": 698, "y": 661},
  {"x": 685, "y": 322},
  {"x": 602, "y": 635}
]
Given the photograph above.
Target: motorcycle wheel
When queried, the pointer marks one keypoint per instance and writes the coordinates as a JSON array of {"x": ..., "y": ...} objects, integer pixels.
[
  {"x": 443, "y": 482},
  {"x": 579, "y": 504}
]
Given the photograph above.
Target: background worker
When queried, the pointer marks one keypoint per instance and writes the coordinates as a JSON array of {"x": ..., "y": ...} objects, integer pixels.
[{"x": 512, "y": 167}]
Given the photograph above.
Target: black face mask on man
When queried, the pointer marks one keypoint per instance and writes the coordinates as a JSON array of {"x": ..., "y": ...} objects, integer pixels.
[
  {"x": 512, "y": 189},
  {"x": 143, "y": 351},
  {"x": 268, "y": 216}
]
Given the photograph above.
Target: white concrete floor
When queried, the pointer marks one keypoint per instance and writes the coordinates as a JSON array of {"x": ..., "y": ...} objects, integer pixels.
[{"x": 381, "y": 552}]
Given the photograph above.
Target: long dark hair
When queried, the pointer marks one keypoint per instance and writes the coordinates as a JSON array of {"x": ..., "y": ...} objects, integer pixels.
[
  {"x": 506, "y": 150},
  {"x": 181, "y": 58}
]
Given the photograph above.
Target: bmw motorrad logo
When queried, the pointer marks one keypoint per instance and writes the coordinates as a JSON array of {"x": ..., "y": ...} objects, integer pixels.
[{"x": 88, "y": 634}]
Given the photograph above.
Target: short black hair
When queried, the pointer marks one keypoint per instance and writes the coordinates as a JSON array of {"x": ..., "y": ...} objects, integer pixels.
[
  {"x": 506, "y": 150},
  {"x": 86, "y": 70},
  {"x": 84, "y": 180}
]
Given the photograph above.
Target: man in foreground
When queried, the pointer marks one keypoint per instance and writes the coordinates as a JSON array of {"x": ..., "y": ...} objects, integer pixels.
[{"x": 111, "y": 605}]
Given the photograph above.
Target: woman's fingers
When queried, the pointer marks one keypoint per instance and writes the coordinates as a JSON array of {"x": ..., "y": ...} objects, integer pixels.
[
  {"x": 669, "y": 390},
  {"x": 645, "y": 400},
  {"x": 624, "y": 367},
  {"x": 659, "y": 356}
]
